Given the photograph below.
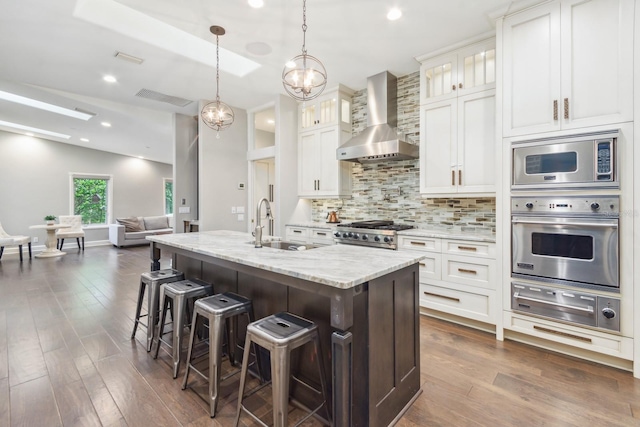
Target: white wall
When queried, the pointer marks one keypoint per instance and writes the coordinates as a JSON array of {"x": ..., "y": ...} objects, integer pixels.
[
  {"x": 35, "y": 182},
  {"x": 222, "y": 164},
  {"x": 185, "y": 180}
]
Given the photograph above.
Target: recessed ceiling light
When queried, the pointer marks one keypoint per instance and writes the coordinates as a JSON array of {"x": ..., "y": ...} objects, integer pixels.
[
  {"x": 394, "y": 14},
  {"x": 12, "y": 97},
  {"x": 271, "y": 122},
  {"x": 34, "y": 130},
  {"x": 140, "y": 157},
  {"x": 256, "y": 3},
  {"x": 106, "y": 124},
  {"x": 29, "y": 134},
  {"x": 109, "y": 79},
  {"x": 84, "y": 140}
]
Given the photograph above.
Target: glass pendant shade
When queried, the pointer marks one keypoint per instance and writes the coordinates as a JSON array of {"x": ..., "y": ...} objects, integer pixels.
[{"x": 304, "y": 77}]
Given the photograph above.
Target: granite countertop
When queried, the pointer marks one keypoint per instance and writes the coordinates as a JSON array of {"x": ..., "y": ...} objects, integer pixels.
[
  {"x": 449, "y": 234},
  {"x": 340, "y": 266}
]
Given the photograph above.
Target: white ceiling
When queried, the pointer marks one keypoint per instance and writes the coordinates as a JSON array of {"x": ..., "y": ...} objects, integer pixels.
[{"x": 51, "y": 54}]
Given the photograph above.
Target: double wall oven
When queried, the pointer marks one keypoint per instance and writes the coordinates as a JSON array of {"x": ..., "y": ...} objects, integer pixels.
[{"x": 565, "y": 247}]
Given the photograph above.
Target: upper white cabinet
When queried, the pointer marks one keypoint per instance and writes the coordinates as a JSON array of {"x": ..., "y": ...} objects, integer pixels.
[
  {"x": 568, "y": 64},
  {"x": 464, "y": 71},
  {"x": 457, "y": 122},
  {"x": 325, "y": 124}
]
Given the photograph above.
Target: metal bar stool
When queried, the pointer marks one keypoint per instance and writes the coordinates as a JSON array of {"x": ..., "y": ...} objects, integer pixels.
[
  {"x": 219, "y": 310},
  {"x": 175, "y": 297},
  {"x": 280, "y": 334},
  {"x": 152, "y": 280}
]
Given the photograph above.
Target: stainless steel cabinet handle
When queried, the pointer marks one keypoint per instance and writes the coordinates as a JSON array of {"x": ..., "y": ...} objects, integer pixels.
[
  {"x": 453, "y": 177},
  {"x": 321, "y": 234},
  {"x": 418, "y": 243},
  {"x": 555, "y": 109},
  {"x": 579, "y": 224},
  {"x": 464, "y": 270},
  {"x": 318, "y": 184},
  {"x": 422, "y": 264},
  {"x": 467, "y": 248},
  {"x": 566, "y": 108},
  {"x": 588, "y": 309},
  {"x": 459, "y": 176},
  {"x": 442, "y": 296}
]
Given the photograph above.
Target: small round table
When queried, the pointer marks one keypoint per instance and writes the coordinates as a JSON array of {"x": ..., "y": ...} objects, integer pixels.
[{"x": 51, "y": 247}]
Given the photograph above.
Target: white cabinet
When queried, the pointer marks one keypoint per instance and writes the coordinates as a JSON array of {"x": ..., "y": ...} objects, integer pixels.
[
  {"x": 457, "y": 277},
  {"x": 325, "y": 125},
  {"x": 309, "y": 235},
  {"x": 568, "y": 64},
  {"x": 457, "y": 73},
  {"x": 457, "y": 145}
]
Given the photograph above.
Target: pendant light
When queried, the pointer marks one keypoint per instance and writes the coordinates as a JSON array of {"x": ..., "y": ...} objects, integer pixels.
[
  {"x": 304, "y": 77},
  {"x": 217, "y": 115}
]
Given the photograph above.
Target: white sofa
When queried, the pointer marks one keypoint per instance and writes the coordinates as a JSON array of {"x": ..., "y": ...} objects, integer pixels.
[{"x": 134, "y": 230}]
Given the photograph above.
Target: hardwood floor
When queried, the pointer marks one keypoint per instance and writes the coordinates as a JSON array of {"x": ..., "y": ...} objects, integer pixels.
[{"x": 66, "y": 359}]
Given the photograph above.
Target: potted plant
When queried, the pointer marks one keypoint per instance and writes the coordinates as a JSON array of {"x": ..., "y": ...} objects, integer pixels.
[{"x": 51, "y": 219}]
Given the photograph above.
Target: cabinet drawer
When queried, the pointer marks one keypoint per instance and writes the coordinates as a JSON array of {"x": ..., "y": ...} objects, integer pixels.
[
  {"x": 321, "y": 237},
  {"x": 469, "y": 271},
  {"x": 297, "y": 234},
  {"x": 430, "y": 267},
  {"x": 462, "y": 247},
  {"x": 613, "y": 345},
  {"x": 457, "y": 302},
  {"x": 432, "y": 244}
]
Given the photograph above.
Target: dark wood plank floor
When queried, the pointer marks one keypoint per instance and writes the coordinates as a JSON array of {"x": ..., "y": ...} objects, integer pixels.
[{"x": 66, "y": 360}]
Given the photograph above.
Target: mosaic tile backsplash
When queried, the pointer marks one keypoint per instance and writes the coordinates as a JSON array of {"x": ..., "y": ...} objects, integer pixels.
[{"x": 391, "y": 189}]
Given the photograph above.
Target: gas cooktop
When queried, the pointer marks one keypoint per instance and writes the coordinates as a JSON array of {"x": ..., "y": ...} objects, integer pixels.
[{"x": 375, "y": 233}]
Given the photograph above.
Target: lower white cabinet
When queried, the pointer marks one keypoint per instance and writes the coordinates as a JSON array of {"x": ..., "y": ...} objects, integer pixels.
[
  {"x": 457, "y": 277},
  {"x": 308, "y": 235}
]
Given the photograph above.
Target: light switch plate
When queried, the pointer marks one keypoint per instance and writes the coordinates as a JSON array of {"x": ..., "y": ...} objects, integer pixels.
[
  {"x": 233, "y": 209},
  {"x": 240, "y": 217},
  {"x": 240, "y": 209},
  {"x": 184, "y": 209}
]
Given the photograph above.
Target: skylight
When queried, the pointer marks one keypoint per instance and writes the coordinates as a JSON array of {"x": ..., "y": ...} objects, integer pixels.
[
  {"x": 130, "y": 22},
  {"x": 12, "y": 97}
]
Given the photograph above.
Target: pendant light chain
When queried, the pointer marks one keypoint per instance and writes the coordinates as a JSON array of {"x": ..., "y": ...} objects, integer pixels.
[
  {"x": 217, "y": 69},
  {"x": 304, "y": 27}
]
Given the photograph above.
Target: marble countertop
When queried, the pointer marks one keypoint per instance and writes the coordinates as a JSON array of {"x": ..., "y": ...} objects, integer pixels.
[
  {"x": 449, "y": 234},
  {"x": 340, "y": 266}
]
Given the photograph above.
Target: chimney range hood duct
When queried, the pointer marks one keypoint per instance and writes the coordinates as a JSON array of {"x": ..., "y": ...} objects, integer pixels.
[{"x": 380, "y": 140}]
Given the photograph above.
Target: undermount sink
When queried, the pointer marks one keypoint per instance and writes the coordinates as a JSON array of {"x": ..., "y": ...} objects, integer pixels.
[{"x": 287, "y": 246}]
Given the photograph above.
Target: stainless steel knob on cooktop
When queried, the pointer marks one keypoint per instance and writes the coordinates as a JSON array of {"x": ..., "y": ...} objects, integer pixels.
[
  {"x": 377, "y": 238},
  {"x": 365, "y": 237},
  {"x": 337, "y": 234}
]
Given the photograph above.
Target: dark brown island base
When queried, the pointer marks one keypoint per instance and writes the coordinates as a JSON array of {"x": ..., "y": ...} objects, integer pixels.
[{"x": 364, "y": 301}]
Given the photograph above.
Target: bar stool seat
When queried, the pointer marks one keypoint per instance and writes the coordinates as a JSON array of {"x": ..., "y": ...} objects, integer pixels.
[
  {"x": 151, "y": 281},
  {"x": 280, "y": 334},
  {"x": 221, "y": 311},
  {"x": 175, "y": 297}
]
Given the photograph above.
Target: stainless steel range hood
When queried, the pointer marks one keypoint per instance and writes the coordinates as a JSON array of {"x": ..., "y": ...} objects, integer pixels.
[{"x": 380, "y": 140}]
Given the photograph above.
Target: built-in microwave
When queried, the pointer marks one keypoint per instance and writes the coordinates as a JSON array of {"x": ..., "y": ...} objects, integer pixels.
[{"x": 577, "y": 161}]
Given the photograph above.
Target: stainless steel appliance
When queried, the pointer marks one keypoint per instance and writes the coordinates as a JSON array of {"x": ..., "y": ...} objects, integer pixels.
[
  {"x": 563, "y": 304},
  {"x": 375, "y": 233},
  {"x": 579, "y": 161},
  {"x": 570, "y": 241}
]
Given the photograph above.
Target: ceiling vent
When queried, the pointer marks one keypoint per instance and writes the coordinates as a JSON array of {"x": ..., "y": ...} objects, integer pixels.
[
  {"x": 129, "y": 58},
  {"x": 161, "y": 97}
]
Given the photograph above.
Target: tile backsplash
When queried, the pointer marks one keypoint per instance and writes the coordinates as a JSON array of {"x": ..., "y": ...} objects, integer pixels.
[{"x": 391, "y": 189}]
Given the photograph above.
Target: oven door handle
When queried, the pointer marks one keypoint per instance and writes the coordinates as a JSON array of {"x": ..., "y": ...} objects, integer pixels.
[
  {"x": 588, "y": 309},
  {"x": 612, "y": 224}
]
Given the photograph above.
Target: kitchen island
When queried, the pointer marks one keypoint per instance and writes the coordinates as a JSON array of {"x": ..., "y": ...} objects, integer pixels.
[{"x": 364, "y": 301}]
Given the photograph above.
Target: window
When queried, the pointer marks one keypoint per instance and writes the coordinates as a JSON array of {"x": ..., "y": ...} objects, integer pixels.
[
  {"x": 91, "y": 198},
  {"x": 168, "y": 196}
]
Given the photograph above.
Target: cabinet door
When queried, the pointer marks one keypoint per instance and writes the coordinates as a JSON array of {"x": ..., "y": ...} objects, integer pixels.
[
  {"x": 597, "y": 62},
  {"x": 329, "y": 167},
  {"x": 477, "y": 143},
  {"x": 477, "y": 67},
  {"x": 438, "y": 136},
  {"x": 308, "y": 164},
  {"x": 531, "y": 68},
  {"x": 438, "y": 78}
]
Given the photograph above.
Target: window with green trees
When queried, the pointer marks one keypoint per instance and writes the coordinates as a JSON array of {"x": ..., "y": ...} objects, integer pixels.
[
  {"x": 91, "y": 199},
  {"x": 168, "y": 196}
]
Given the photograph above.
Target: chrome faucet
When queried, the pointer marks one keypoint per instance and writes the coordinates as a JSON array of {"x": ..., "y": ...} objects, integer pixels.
[{"x": 258, "y": 230}]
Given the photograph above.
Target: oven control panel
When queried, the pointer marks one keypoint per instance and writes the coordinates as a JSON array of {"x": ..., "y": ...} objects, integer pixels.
[{"x": 574, "y": 205}]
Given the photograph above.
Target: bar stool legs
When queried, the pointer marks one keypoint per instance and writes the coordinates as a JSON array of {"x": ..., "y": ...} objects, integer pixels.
[
  {"x": 280, "y": 334},
  {"x": 150, "y": 284},
  {"x": 174, "y": 296},
  {"x": 220, "y": 310}
]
